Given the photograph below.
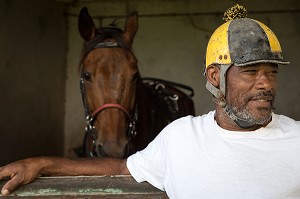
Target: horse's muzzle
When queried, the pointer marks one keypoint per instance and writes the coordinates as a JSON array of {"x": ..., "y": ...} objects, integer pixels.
[{"x": 111, "y": 149}]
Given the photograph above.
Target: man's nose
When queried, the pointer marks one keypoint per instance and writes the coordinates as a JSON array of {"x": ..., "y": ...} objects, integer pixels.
[{"x": 265, "y": 82}]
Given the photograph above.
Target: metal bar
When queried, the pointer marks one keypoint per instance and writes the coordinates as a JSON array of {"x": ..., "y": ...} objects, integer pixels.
[{"x": 286, "y": 11}]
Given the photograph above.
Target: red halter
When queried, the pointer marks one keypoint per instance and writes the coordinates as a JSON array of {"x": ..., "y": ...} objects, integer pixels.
[{"x": 106, "y": 106}]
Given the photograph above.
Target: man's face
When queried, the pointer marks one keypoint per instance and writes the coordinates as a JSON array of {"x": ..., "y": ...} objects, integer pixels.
[{"x": 251, "y": 92}]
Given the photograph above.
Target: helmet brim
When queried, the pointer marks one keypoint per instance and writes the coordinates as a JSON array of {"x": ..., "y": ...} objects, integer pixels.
[{"x": 280, "y": 62}]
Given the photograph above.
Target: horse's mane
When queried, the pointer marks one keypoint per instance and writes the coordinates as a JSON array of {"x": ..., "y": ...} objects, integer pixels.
[{"x": 103, "y": 34}]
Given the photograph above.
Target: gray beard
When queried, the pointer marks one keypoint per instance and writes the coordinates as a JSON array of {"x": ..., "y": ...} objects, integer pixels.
[{"x": 243, "y": 118}]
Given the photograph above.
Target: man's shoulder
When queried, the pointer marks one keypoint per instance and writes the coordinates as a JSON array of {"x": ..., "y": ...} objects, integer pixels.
[
  {"x": 285, "y": 121},
  {"x": 185, "y": 126},
  {"x": 209, "y": 117}
]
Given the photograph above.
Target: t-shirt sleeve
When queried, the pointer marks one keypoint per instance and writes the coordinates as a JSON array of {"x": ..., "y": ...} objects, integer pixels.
[{"x": 150, "y": 164}]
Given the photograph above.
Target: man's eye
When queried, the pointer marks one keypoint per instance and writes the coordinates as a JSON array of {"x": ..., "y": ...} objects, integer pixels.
[
  {"x": 273, "y": 73},
  {"x": 250, "y": 72},
  {"x": 87, "y": 76}
]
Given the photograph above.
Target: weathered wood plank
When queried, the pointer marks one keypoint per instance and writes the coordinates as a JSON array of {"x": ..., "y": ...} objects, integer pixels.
[{"x": 113, "y": 187}]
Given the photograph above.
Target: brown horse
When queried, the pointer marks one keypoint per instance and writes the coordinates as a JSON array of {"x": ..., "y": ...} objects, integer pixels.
[{"x": 123, "y": 111}]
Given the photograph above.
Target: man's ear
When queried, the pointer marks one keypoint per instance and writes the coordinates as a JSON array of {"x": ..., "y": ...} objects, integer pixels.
[{"x": 213, "y": 75}]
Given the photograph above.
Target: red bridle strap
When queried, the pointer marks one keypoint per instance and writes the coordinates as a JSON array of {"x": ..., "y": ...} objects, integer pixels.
[{"x": 106, "y": 106}]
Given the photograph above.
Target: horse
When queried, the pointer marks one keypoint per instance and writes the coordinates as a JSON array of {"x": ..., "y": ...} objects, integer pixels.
[{"x": 124, "y": 112}]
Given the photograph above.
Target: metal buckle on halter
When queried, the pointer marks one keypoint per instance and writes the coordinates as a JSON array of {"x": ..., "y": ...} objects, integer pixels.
[
  {"x": 88, "y": 119},
  {"x": 132, "y": 124},
  {"x": 89, "y": 126},
  {"x": 132, "y": 130}
]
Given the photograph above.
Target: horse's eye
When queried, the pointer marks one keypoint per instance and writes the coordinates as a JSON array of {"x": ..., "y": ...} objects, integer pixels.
[
  {"x": 87, "y": 76},
  {"x": 135, "y": 77}
]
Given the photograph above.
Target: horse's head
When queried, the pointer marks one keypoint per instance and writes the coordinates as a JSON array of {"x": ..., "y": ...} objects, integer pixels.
[{"x": 108, "y": 84}]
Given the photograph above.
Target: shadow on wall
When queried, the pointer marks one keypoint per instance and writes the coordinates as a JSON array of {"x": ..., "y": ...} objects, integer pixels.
[{"x": 33, "y": 50}]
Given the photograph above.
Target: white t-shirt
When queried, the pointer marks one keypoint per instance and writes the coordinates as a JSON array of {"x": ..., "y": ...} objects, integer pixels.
[{"x": 195, "y": 158}]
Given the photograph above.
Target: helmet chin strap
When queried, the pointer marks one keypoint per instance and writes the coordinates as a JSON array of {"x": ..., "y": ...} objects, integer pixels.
[
  {"x": 242, "y": 123},
  {"x": 219, "y": 92}
]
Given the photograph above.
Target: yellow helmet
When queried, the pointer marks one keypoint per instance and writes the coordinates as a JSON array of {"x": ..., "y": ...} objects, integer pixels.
[{"x": 241, "y": 42}]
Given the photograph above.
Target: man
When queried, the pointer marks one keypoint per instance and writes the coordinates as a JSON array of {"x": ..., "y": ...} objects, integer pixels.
[{"x": 240, "y": 150}]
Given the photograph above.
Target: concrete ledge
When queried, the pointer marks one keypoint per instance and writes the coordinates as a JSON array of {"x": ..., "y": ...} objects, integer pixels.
[{"x": 113, "y": 187}]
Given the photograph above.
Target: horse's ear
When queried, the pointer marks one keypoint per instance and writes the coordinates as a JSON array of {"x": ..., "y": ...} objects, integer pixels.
[
  {"x": 131, "y": 27},
  {"x": 86, "y": 25}
]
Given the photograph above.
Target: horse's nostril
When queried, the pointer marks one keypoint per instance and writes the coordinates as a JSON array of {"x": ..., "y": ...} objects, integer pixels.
[{"x": 99, "y": 151}]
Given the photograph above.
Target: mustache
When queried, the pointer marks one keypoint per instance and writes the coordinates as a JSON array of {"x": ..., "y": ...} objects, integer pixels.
[{"x": 263, "y": 95}]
